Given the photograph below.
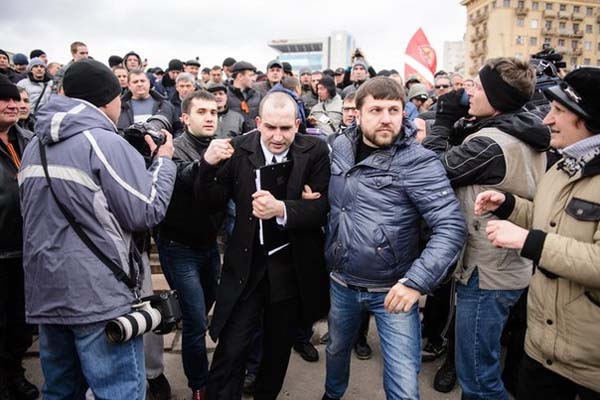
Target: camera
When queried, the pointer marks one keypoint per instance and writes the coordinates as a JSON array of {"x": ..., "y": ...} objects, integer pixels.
[
  {"x": 135, "y": 133},
  {"x": 158, "y": 313},
  {"x": 546, "y": 64}
]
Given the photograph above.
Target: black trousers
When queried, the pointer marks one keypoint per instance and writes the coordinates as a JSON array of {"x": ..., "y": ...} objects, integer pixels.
[
  {"x": 539, "y": 383},
  {"x": 281, "y": 321},
  {"x": 436, "y": 312},
  {"x": 15, "y": 334}
]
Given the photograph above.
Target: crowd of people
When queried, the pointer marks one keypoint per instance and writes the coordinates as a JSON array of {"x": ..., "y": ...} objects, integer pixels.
[{"x": 386, "y": 191}]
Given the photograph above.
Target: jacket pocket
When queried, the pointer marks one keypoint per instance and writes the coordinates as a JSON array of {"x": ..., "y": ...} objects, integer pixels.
[
  {"x": 583, "y": 210},
  {"x": 378, "y": 182},
  {"x": 384, "y": 246},
  {"x": 582, "y": 318}
]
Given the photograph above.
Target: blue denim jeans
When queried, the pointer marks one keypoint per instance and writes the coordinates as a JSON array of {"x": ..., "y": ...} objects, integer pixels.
[
  {"x": 480, "y": 317},
  {"x": 194, "y": 274},
  {"x": 399, "y": 335},
  {"x": 75, "y": 356}
]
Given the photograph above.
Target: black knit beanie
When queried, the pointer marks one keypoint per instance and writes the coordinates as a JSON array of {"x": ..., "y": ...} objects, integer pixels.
[
  {"x": 92, "y": 81},
  {"x": 8, "y": 90}
]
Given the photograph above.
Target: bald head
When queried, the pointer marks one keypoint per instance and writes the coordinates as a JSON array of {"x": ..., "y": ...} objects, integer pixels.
[
  {"x": 278, "y": 101},
  {"x": 277, "y": 121}
]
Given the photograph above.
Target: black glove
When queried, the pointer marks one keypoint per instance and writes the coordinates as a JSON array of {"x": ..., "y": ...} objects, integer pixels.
[{"x": 450, "y": 108}]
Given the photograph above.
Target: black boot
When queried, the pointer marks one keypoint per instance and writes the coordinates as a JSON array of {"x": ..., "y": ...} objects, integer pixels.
[
  {"x": 21, "y": 388},
  {"x": 445, "y": 378},
  {"x": 362, "y": 349},
  {"x": 159, "y": 388},
  {"x": 4, "y": 392}
]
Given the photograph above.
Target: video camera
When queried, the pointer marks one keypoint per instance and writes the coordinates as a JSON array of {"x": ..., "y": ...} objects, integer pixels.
[
  {"x": 135, "y": 133},
  {"x": 158, "y": 313},
  {"x": 546, "y": 63}
]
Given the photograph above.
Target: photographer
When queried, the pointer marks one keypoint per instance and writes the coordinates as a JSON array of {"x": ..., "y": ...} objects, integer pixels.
[{"x": 98, "y": 178}]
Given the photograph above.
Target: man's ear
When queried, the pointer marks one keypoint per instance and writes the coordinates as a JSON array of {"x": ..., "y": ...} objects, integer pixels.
[
  {"x": 185, "y": 118},
  {"x": 297, "y": 123},
  {"x": 357, "y": 117}
]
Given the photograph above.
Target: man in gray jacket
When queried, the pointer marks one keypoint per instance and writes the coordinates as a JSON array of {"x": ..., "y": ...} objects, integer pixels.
[{"x": 103, "y": 182}]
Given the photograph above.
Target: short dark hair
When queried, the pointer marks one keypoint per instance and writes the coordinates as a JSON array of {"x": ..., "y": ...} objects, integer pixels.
[
  {"x": 350, "y": 97},
  {"x": 216, "y": 68},
  {"x": 381, "y": 88},
  {"x": 75, "y": 45},
  {"x": 517, "y": 73},
  {"x": 186, "y": 104},
  {"x": 135, "y": 71}
]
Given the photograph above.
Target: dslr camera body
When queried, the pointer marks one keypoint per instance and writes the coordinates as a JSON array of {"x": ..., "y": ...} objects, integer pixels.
[
  {"x": 135, "y": 133},
  {"x": 158, "y": 313}
]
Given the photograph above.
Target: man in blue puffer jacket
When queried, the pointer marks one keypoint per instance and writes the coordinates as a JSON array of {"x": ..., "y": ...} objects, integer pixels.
[{"x": 382, "y": 183}]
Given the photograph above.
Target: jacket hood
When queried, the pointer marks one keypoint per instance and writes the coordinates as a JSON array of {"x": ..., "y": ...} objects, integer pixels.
[
  {"x": 64, "y": 117},
  {"x": 136, "y": 55},
  {"x": 523, "y": 125}
]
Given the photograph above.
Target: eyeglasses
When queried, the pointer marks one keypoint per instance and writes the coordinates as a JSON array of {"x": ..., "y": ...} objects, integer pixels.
[{"x": 441, "y": 86}]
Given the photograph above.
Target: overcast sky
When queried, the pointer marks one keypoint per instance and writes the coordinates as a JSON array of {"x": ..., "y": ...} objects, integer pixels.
[{"x": 162, "y": 30}]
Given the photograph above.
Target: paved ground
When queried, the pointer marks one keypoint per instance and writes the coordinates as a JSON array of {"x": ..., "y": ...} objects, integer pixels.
[{"x": 304, "y": 380}]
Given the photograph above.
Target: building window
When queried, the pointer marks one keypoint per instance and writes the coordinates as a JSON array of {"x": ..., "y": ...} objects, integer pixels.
[
  {"x": 587, "y": 61},
  {"x": 506, "y": 3},
  {"x": 574, "y": 44},
  {"x": 534, "y": 24},
  {"x": 494, "y": 4},
  {"x": 547, "y": 40},
  {"x": 587, "y": 45},
  {"x": 562, "y": 25},
  {"x": 561, "y": 42},
  {"x": 520, "y": 39},
  {"x": 573, "y": 61},
  {"x": 520, "y": 4},
  {"x": 588, "y": 29},
  {"x": 535, "y": 5},
  {"x": 548, "y": 24},
  {"x": 576, "y": 9},
  {"x": 533, "y": 41},
  {"x": 563, "y": 7},
  {"x": 549, "y": 6},
  {"x": 575, "y": 27},
  {"x": 520, "y": 22},
  {"x": 589, "y": 11}
]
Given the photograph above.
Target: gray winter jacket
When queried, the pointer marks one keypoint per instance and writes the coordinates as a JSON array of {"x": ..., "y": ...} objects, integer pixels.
[
  {"x": 231, "y": 124},
  {"x": 103, "y": 181},
  {"x": 328, "y": 114},
  {"x": 376, "y": 205}
]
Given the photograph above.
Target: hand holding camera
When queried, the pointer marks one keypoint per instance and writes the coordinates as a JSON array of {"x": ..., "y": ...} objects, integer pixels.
[{"x": 164, "y": 150}]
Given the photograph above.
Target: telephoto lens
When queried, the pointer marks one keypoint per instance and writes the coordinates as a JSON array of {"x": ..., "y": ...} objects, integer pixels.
[{"x": 143, "y": 319}]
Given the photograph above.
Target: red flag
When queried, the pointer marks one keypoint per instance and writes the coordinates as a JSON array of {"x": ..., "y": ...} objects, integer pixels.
[{"x": 420, "y": 58}]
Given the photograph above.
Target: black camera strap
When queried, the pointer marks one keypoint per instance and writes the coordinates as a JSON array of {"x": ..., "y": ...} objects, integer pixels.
[{"x": 115, "y": 269}]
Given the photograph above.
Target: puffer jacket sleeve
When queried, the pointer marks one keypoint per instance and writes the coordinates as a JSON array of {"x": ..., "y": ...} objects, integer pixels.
[
  {"x": 139, "y": 198},
  {"x": 432, "y": 195}
]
